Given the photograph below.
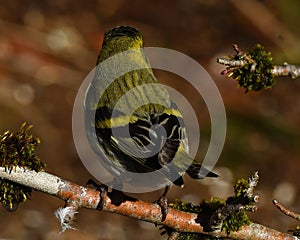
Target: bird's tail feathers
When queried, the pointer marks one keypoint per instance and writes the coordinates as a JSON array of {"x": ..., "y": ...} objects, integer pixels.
[{"x": 197, "y": 171}]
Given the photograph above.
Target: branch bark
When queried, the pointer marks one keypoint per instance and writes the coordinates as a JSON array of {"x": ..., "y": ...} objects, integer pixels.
[{"x": 78, "y": 196}]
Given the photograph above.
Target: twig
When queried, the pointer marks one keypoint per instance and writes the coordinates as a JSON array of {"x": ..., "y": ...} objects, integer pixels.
[
  {"x": 286, "y": 211},
  {"x": 79, "y": 196},
  {"x": 242, "y": 59},
  {"x": 286, "y": 70}
]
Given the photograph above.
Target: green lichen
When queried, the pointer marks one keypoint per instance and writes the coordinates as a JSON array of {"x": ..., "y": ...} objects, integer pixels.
[
  {"x": 254, "y": 78},
  {"x": 236, "y": 220},
  {"x": 12, "y": 194},
  {"x": 187, "y": 236},
  {"x": 233, "y": 222},
  {"x": 17, "y": 149},
  {"x": 185, "y": 206},
  {"x": 241, "y": 186},
  {"x": 205, "y": 207},
  {"x": 195, "y": 236},
  {"x": 209, "y": 207}
]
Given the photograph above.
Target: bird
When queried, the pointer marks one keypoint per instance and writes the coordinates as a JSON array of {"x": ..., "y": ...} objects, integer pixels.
[{"x": 157, "y": 133}]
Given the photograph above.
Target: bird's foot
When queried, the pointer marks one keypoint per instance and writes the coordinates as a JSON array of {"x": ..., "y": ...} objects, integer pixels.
[
  {"x": 103, "y": 189},
  {"x": 163, "y": 203},
  {"x": 117, "y": 197}
]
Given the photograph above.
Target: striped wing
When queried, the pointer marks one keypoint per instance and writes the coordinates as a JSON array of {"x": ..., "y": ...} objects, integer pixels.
[{"x": 145, "y": 143}]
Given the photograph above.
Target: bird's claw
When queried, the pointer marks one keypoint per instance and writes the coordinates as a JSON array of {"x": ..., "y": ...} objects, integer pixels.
[
  {"x": 163, "y": 204},
  {"x": 102, "y": 188}
]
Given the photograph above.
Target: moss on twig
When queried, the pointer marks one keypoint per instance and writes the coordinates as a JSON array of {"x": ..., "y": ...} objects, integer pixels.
[{"x": 17, "y": 149}]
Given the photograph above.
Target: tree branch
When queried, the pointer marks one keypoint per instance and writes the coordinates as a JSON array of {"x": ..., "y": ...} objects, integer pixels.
[
  {"x": 77, "y": 196},
  {"x": 254, "y": 70},
  {"x": 286, "y": 211}
]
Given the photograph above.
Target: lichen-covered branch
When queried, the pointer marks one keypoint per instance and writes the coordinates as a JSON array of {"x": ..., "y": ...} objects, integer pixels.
[
  {"x": 21, "y": 171},
  {"x": 77, "y": 196},
  {"x": 254, "y": 70},
  {"x": 244, "y": 200}
]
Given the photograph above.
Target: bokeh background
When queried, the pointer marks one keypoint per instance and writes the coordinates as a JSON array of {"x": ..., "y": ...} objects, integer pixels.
[{"x": 48, "y": 47}]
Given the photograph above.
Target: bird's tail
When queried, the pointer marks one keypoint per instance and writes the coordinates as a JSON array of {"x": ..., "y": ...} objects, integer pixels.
[{"x": 197, "y": 171}]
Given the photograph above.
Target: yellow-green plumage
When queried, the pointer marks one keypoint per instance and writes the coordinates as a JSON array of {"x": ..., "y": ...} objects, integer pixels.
[{"x": 154, "y": 124}]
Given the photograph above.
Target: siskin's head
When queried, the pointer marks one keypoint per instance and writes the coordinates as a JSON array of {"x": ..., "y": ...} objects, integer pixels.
[{"x": 120, "y": 39}]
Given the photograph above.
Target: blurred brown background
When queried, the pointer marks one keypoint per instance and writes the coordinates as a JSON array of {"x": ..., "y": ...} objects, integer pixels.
[{"x": 48, "y": 47}]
